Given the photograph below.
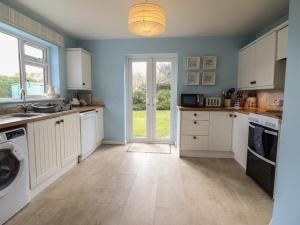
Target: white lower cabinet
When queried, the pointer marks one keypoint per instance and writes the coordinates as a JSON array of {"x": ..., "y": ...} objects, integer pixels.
[
  {"x": 209, "y": 132},
  {"x": 99, "y": 126},
  {"x": 220, "y": 132},
  {"x": 44, "y": 155},
  {"x": 240, "y": 138},
  {"x": 69, "y": 137},
  {"x": 52, "y": 144}
]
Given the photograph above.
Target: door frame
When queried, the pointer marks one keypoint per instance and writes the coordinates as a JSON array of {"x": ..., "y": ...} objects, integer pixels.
[{"x": 128, "y": 96}]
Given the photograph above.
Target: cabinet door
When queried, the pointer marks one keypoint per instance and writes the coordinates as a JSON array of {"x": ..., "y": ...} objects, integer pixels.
[
  {"x": 220, "y": 132},
  {"x": 69, "y": 138},
  {"x": 74, "y": 69},
  {"x": 44, "y": 156},
  {"x": 86, "y": 70},
  {"x": 265, "y": 61},
  {"x": 282, "y": 44},
  {"x": 246, "y": 69},
  {"x": 240, "y": 138},
  {"x": 99, "y": 126}
]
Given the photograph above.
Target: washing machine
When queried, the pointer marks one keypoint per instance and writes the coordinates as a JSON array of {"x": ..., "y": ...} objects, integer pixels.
[{"x": 14, "y": 173}]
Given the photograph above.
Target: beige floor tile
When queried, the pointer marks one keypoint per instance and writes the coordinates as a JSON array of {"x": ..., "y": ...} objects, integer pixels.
[{"x": 113, "y": 187}]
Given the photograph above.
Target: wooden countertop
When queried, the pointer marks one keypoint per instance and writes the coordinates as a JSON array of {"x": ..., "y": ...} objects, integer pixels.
[
  {"x": 7, "y": 121},
  {"x": 246, "y": 111}
]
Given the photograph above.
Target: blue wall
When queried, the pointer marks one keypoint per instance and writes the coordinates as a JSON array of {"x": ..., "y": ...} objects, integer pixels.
[
  {"x": 287, "y": 202},
  {"x": 109, "y": 58}
]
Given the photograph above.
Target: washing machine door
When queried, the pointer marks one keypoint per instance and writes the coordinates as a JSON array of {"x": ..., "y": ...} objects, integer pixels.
[{"x": 11, "y": 166}]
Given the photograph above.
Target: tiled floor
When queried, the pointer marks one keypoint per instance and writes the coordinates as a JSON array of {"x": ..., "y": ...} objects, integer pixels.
[{"x": 114, "y": 187}]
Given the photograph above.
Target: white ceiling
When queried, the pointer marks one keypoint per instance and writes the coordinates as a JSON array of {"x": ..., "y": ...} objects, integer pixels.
[{"x": 99, "y": 19}]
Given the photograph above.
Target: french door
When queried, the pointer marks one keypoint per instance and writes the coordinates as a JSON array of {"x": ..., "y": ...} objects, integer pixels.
[{"x": 151, "y": 95}]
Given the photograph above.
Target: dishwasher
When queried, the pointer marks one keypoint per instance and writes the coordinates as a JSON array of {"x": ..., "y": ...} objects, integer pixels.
[{"x": 87, "y": 133}]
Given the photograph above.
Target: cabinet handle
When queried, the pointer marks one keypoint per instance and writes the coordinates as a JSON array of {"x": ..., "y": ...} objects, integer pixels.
[
  {"x": 230, "y": 115},
  {"x": 57, "y": 122},
  {"x": 195, "y": 122},
  {"x": 235, "y": 116},
  {"x": 194, "y": 137},
  {"x": 61, "y": 121},
  {"x": 83, "y": 84},
  {"x": 253, "y": 82},
  {"x": 195, "y": 114}
]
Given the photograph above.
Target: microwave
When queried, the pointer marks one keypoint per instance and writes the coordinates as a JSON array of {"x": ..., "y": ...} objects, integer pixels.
[{"x": 192, "y": 100}]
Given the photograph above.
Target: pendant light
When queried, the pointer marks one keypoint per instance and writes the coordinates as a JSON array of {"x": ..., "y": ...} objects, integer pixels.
[{"x": 146, "y": 19}]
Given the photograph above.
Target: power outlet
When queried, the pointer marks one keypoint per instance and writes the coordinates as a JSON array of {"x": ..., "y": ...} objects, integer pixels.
[{"x": 278, "y": 102}]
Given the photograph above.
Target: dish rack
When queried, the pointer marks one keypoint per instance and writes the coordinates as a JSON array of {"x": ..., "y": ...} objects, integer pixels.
[{"x": 213, "y": 102}]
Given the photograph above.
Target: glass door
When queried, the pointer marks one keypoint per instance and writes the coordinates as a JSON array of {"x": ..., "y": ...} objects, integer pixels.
[{"x": 151, "y": 99}]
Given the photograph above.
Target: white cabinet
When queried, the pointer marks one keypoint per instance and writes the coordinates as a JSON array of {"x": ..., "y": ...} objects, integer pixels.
[
  {"x": 44, "y": 155},
  {"x": 205, "y": 134},
  {"x": 282, "y": 43},
  {"x": 246, "y": 67},
  {"x": 240, "y": 138},
  {"x": 220, "y": 132},
  {"x": 69, "y": 137},
  {"x": 78, "y": 66},
  {"x": 265, "y": 53},
  {"x": 99, "y": 126},
  {"x": 258, "y": 68},
  {"x": 52, "y": 144}
]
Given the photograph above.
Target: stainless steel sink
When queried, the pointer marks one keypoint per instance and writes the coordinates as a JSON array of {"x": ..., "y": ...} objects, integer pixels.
[{"x": 24, "y": 115}]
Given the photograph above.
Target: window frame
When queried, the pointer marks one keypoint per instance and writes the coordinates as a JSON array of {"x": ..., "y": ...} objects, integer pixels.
[{"x": 28, "y": 60}]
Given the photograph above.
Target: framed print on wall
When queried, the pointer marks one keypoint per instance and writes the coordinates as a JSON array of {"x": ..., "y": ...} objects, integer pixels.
[
  {"x": 192, "y": 78},
  {"x": 209, "y": 78},
  {"x": 210, "y": 62},
  {"x": 193, "y": 63}
]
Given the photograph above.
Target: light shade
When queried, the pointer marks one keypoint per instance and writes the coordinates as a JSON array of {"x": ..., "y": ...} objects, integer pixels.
[{"x": 146, "y": 19}]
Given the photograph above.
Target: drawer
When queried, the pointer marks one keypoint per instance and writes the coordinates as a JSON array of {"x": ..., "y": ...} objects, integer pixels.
[
  {"x": 189, "y": 142},
  {"x": 195, "y": 115},
  {"x": 194, "y": 127}
]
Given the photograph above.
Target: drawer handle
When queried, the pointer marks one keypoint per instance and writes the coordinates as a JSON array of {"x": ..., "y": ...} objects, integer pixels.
[
  {"x": 57, "y": 122},
  {"x": 235, "y": 116},
  {"x": 195, "y": 122},
  {"x": 61, "y": 121},
  {"x": 195, "y": 114},
  {"x": 253, "y": 82},
  {"x": 194, "y": 137},
  {"x": 230, "y": 115}
]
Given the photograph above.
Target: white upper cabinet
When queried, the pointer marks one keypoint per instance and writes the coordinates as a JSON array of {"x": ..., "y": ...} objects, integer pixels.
[
  {"x": 78, "y": 66},
  {"x": 282, "y": 43},
  {"x": 265, "y": 53},
  {"x": 246, "y": 66},
  {"x": 220, "y": 132},
  {"x": 258, "y": 68}
]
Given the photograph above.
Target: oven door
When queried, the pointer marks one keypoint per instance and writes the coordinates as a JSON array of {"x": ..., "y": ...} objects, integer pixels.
[
  {"x": 269, "y": 143},
  {"x": 261, "y": 165}
]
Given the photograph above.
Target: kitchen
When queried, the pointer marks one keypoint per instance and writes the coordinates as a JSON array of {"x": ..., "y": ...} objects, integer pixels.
[{"x": 112, "y": 128}]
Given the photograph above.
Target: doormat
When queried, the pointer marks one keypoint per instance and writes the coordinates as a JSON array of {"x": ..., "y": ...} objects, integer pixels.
[{"x": 150, "y": 148}]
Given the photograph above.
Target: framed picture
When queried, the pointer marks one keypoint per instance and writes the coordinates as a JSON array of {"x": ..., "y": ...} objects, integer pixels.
[
  {"x": 210, "y": 62},
  {"x": 192, "y": 78},
  {"x": 209, "y": 78},
  {"x": 193, "y": 63}
]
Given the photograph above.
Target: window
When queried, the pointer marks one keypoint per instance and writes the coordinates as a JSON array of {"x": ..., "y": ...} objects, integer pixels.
[{"x": 23, "y": 64}]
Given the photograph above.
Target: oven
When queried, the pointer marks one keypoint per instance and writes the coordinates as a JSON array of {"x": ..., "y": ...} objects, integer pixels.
[{"x": 262, "y": 153}]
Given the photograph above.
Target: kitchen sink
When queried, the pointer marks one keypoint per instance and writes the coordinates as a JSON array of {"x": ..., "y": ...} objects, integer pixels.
[{"x": 24, "y": 115}]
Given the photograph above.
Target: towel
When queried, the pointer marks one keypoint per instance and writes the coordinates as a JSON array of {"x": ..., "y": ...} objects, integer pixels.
[{"x": 258, "y": 140}]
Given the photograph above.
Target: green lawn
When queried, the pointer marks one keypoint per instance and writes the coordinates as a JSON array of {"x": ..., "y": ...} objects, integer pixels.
[{"x": 162, "y": 124}]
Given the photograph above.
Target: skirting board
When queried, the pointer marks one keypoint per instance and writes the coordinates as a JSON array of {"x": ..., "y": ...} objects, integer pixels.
[
  {"x": 205, "y": 154},
  {"x": 42, "y": 186},
  {"x": 114, "y": 142}
]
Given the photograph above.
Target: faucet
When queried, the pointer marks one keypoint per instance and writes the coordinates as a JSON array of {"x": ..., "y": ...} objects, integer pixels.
[{"x": 24, "y": 106}]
